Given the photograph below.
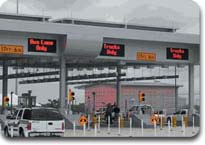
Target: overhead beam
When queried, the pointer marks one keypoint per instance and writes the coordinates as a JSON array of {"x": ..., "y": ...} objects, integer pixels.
[
  {"x": 26, "y": 75},
  {"x": 56, "y": 65},
  {"x": 124, "y": 79},
  {"x": 85, "y": 81},
  {"x": 71, "y": 78}
]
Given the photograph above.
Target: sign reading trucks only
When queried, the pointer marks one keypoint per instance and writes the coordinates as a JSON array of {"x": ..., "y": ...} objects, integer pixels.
[{"x": 113, "y": 50}]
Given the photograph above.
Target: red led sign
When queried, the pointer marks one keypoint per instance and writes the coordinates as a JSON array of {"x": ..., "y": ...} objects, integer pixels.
[
  {"x": 41, "y": 45},
  {"x": 115, "y": 50},
  {"x": 177, "y": 53}
]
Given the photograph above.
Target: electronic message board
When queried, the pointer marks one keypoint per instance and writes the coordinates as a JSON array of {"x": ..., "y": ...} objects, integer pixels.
[{"x": 42, "y": 45}]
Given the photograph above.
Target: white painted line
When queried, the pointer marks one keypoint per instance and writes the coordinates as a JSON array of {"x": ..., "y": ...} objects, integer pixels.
[
  {"x": 155, "y": 128},
  {"x": 84, "y": 128},
  {"x": 88, "y": 122},
  {"x": 169, "y": 128},
  {"x": 74, "y": 128},
  {"x": 108, "y": 127},
  {"x": 98, "y": 123},
  {"x": 130, "y": 126},
  {"x": 119, "y": 126},
  {"x": 95, "y": 130},
  {"x": 142, "y": 127}
]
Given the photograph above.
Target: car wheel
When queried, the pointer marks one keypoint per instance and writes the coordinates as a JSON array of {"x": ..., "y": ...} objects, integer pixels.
[
  {"x": 6, "y": 132},
  {"x": 21, "y": 133}
]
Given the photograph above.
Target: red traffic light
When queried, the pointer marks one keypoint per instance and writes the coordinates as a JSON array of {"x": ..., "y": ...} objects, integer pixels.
[{"x": 6, "y": 99}]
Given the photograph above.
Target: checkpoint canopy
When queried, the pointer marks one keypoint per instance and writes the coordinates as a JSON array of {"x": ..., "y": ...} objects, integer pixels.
[
  {"x": 81, "y": 41},
  {"x": 75, "y": 39}
]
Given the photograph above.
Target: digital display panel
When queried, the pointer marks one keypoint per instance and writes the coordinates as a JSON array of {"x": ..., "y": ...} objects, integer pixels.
[
  {"x": 114, "y": 50},
  {"x": 177, "y": 53},
  {"x": 41, "y": 45},
  {"x": 146, "y": 56},
  {"x": 11, "y": 49}
]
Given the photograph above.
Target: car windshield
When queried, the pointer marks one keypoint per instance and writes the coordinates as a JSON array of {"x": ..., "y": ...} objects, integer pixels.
[
  {"x": 45, "y": 114},
  {"x": 142, "y": 109},
  {"x": 15, "y": 114}
]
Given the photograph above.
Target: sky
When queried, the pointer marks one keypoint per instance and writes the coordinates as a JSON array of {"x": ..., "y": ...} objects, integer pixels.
[{"x": 181, "y": 14}]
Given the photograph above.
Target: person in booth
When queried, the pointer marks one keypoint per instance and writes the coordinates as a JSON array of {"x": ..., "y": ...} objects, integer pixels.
[
  {"x": 108, "y": 113},
  {"x": 116, "y": 111}
]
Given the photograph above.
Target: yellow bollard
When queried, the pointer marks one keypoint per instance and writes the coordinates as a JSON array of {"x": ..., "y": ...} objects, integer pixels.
[
  {"x": 94, "y": 120},
  {"x": 102, "y": 117},
  {"x": 162, "y": 121},
  {"x": 186, "y": 120},
  {"x": 122, "y": 123},
  {"x": 174, "y": 121}
]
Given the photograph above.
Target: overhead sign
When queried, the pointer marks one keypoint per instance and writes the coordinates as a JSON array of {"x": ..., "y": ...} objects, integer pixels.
[
  {"x": 146, "y": 56},
  {"x": 11, "y": 49},
  {"x": 114, "y": 50},
  {"x": 178, "y": 53},
  {"x": 41, "y": 45}
]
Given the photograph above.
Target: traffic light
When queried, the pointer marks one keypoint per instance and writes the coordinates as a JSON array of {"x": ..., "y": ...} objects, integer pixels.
[
  {"x": 6, "y": 101},
  {"x": 71, "y": 95},
  {"x": 141, "y": 97}
]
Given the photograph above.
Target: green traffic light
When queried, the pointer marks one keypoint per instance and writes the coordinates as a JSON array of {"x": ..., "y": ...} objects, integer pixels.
[{"x": 7, "y": 105}]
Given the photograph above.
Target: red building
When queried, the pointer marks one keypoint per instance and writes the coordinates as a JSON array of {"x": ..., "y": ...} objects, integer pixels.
[{"x": 159, "y": 95}]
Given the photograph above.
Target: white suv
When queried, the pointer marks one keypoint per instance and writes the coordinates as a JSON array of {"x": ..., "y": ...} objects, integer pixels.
[{"x": 37, "y": 121}]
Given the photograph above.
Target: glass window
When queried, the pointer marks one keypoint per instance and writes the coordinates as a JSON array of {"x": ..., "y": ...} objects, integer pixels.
[
  {"x": 183, "y": 112},
  {"x": 15, "y": 113},
  {"x": 27, "y": 114},
  {"x": 46, "y": 114},
  {"x": 20, "y": 114}
]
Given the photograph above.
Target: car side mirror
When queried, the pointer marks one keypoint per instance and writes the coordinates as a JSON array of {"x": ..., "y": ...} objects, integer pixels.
[{"x": 10, "y": 117}]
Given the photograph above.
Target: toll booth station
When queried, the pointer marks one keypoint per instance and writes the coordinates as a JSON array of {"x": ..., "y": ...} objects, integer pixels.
[
  {"x": 26, "y": 100},
  {"x": 66, "y": 44}
]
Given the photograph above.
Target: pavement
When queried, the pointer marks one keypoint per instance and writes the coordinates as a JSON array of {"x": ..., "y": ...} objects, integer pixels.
[{"x": 135, "y": 132}]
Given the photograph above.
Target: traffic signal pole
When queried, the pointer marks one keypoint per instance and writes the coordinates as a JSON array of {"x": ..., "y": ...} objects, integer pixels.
[
  {"x": 63, "y": 84},
  {"x": 94, "y": 102},
  {"x": 4, "y": 84},
  {"x": 118, "y": 85},
  {"x": 11, "y": 102}
]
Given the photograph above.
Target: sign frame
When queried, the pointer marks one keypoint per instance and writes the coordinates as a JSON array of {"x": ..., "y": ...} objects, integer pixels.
[
  {"x": 40, "y": 45},
  {"x": 113, "y": 50},
  {"x": 177, "y": 53},
  {"x": 146, "y": 56},
  {"x": 11, "y": 49}
]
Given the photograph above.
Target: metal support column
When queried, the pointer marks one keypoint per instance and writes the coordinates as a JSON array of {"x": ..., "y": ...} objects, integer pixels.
[
  {"x": 94, "y": 102},
  {"x": 118, "y": 85},
  {"x": 16, "y": 82},
  {"x": 175, "y": 85},
  {"x": 4, "y": 84},
  {"x": 191, "y": 87},
  {"x": 17, "y": 7},
  {"x": 63, "y": 85}
]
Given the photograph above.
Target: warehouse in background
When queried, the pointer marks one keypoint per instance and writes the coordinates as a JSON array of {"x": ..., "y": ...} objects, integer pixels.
[{"x": 158, "y": 95}]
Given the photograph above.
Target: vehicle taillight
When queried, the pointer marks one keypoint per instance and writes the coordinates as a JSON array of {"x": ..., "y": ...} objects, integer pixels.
[
  {"x": 28, "y": 126},
  {"x": 63, "y": 126}
]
